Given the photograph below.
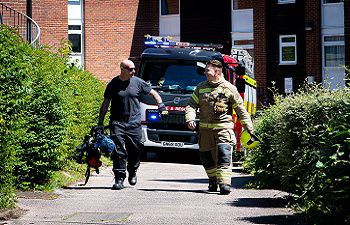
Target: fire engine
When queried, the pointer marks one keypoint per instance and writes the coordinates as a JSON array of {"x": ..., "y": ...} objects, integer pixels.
[{"x": 174, "y": 69}]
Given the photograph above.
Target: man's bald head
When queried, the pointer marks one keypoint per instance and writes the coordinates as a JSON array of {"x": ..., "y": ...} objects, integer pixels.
[
  {"x": 127, "y": 64},
  {"x": 127, "y": 68}
]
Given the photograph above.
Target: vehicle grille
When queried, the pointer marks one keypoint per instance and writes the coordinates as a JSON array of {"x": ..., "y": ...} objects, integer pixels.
[{"x": 174, "y": 118}]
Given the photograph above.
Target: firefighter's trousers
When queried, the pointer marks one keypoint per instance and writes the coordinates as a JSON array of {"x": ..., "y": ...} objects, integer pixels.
[
  {"x": 128, "y": 147},
  {"x": 215, "y": 151}
]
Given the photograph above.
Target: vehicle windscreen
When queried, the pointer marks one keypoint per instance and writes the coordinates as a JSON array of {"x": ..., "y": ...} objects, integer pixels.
[{"x": 172, "y": 75}]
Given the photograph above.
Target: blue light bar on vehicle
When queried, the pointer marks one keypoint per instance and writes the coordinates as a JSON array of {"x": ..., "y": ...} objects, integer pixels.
[{"x": 165, "y": 42}]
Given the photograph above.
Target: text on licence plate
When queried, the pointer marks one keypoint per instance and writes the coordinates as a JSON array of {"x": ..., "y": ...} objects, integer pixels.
[{"x": 173, "y": 144}]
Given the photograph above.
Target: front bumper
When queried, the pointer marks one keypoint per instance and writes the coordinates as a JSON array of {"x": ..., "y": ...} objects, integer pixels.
[{"x": 159, "y": 138}]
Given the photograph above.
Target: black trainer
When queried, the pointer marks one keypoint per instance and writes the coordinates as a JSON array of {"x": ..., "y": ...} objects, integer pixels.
[
  {"x": 132, "y": 179},
  {"x": 118, "y": 185},
  {"x": 213, "y": 186},
  {"x": 225, "y": 189}
]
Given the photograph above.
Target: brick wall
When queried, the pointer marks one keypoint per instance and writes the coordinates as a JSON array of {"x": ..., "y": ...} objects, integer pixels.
[
  {"x": 114, "y": 31},
  {"x": 52, "y": 17},
  {"x": 260, "y": 48},
  {"x": 313, "y": 39},
  {"x": 18, "y": 5}
]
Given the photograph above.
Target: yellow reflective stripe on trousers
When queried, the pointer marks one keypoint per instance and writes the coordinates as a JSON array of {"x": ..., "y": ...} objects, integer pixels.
[
  {"x": 204, "y": 90},
  {"x": 195, "y": 98},
  {"x": 216, "y": 125},
  {"x": 211, "y": 172}
]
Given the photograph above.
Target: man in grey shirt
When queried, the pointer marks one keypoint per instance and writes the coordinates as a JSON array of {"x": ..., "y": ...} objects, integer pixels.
[{"x": 123, "y": 93}]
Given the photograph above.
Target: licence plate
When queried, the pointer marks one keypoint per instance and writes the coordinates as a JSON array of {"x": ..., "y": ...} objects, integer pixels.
[{"x": 172, "y": 144}]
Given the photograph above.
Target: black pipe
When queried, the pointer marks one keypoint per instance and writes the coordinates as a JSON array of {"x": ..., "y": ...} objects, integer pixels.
[{"x": 29, "y": 22}]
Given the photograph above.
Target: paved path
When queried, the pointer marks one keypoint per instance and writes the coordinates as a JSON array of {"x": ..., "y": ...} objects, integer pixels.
[{"x": 166, "y": 193}]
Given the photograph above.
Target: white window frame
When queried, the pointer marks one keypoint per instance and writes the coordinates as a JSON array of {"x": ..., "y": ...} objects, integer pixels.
[
  {"x": 287, "y": 44},
  {"x": 331, "y": 43},
  {"x": 286, "y": 2}
]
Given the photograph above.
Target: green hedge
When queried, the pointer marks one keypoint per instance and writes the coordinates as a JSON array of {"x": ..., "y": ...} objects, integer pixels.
[
  {"x": 46, "y": 107},
  {"x": 305, "y": 151}
]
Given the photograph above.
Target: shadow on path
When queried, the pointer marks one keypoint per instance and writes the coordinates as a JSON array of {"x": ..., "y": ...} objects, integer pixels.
[
  {"x": 174, "y": 190},
  {"x": 87, "y": 187},
  {"x": 201, "y": 181},
  {"x": 241, "y": 181},
  {"x": 276, "y": 220},
  {"x": 260, "y": 202}
]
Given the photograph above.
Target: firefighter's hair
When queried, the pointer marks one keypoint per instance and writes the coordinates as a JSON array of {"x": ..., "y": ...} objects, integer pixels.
[{"x": 215, "y": 63}]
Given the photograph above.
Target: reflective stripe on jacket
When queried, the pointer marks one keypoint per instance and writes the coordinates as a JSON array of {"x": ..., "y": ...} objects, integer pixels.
[{"x": 204, "y": 98}]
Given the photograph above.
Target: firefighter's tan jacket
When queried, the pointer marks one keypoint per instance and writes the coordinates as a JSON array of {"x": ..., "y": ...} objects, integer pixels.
[{"x": 205, "y": 97}]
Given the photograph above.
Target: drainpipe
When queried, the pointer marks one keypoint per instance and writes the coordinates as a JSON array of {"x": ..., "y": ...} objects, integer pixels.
[{"x": 29, "y": 22}]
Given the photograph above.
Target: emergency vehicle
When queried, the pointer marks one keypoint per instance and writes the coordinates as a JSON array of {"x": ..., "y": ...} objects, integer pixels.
[{"x": 174, "y": 69}]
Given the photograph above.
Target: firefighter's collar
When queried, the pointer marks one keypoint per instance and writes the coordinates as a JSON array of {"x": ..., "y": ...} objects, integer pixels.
[{"x": 215, "y": 84}]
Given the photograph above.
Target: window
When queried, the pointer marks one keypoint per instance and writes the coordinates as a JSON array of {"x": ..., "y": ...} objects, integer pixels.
[
  {"x": 288, "y": 50},
  {"x": 75, "y": 39},
  {"x": 169, "y": 7},
  {"x": 328, "y": 39},
  {"x": 286, "y": 1},
  {"x": 334, "y": 51},
  {"x": 175, "y": 75},
  {"x": 332, "y": 1},
  {"x": 73, "y": 2},
  {"x": 74, "y": 36}
]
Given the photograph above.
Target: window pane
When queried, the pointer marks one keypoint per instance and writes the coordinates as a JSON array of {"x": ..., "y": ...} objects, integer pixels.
[
  {"x": 332, "y": 1},
  {"x": 73, "y": 2},
  {"x": 74, "y": 27},
  {"x": 76, "y": 42},
  {"x": 169, "y": 7},
  {"x": 285, "y": 1},
  {"x": 288, "y": 39},
  {"x": 334, "y": 38},
  {"x": 288, "y": 53},
  {"x": 334, "y": 56},
  {"x": 184, "y": 75}
]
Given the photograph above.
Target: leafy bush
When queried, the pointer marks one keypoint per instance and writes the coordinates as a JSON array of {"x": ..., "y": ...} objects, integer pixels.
[
  {"x": 305, "y": 151},
  {"x": 46, "y": 109}
]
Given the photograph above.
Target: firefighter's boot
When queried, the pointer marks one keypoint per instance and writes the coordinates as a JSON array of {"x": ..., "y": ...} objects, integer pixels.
[
  {"x": 132, "y": 178},
  {"x": 213, "y": 186},
  {"x": 118, "y": 185},
  {"x": 225, "y": 189}
]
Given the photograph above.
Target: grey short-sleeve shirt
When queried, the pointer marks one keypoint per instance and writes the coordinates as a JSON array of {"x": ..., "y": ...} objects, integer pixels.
[{"x": 125, "y": 97}]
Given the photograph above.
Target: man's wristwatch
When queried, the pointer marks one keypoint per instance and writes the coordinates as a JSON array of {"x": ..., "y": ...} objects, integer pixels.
[{"x": 162, "y": 109}]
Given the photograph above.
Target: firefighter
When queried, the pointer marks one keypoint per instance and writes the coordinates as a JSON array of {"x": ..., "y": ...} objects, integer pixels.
[
  {"x": 216, "y": 99},
  {"x": 123, "y": 93}
]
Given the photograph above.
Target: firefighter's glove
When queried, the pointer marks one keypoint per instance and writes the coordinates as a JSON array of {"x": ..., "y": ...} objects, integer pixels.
[
  {"x": 253, "y": 138},
  {"x": 220, "y": 107},
  {"x": 99, "y": 129},
  {"x": 162, "y": 109}
]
